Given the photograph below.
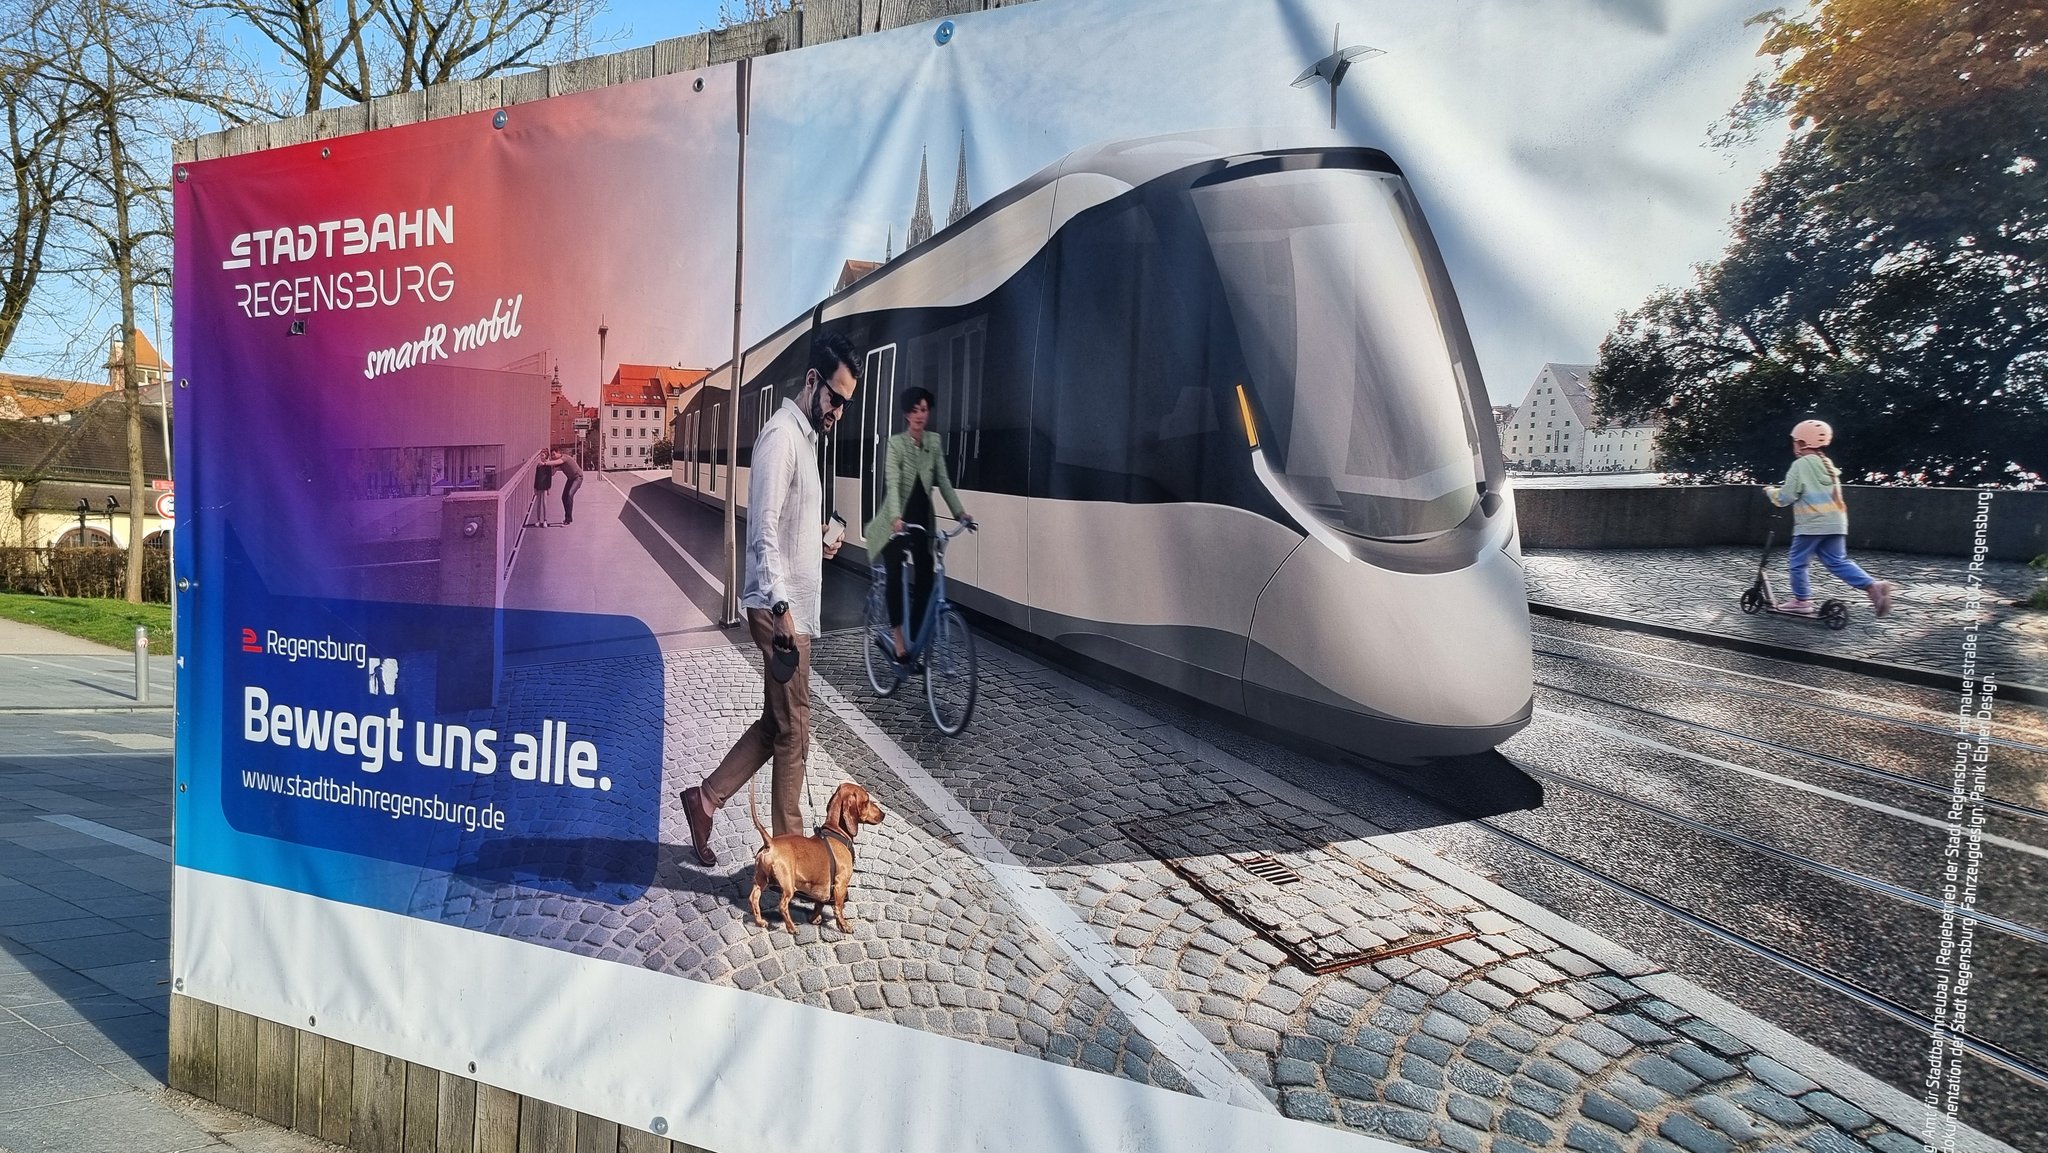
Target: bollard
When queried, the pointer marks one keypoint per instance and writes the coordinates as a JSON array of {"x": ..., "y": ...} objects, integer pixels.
[{"x": 141, "y": 665}]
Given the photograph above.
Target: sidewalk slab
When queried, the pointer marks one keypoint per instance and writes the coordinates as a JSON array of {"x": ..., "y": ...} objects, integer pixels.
[
  {"x": 1700, "y": 590},
  {"x": 84, "y": 949},
  {"x": 27, "y": 639}
]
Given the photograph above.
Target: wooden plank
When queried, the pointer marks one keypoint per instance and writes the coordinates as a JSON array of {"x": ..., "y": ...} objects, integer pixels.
[
  {"x": 521, "y": 87},
  {"x": 626, "y": 67},
  {"x": 596, "y": 1135},
  {"x": 478, "y": 95},
  {"x": 577, "y": 76},
  {"x": 422, "y": 1108},
  {"x": 277, "y": 1070},
  {"x": 377, "y": 1103},
  {"x": 545, "y": 1127},
  {"x": 331, "y": 122},
  {"x": 195, "y": 1029},
  {"x": 297, "y": 130},
  {"x": 455, "y": 1132},
  {"x": 497, "y": 1120},
  {"x": 900, "y": 13},
  {"x": 236, "y": 1069},
  {"x": 682, "y": 54},
  {"x": 445, "y": 99},
  {"x": 337, "y": 1091},
  {"x": 638, "y": 1141},
  {"x": 310, "y": 1083},
  {"x": 829, "y": 20}
]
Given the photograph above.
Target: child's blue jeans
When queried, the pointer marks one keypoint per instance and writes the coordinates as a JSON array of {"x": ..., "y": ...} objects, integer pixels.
[{"x": 1834, "y": 553}]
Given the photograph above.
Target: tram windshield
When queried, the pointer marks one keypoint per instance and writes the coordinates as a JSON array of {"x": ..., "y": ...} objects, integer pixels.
[{"x": 1358, "y": 371}]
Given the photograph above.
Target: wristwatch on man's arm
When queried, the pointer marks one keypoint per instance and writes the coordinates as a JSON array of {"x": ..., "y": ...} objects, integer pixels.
[{"x": 779, "y": 607}]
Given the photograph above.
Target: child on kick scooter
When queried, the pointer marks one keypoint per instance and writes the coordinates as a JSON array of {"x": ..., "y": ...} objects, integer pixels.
[{"x": 1820, "y": 520}]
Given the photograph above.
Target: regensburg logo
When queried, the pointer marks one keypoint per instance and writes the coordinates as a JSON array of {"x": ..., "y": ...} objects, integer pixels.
[{"x": 382, "y": 672}]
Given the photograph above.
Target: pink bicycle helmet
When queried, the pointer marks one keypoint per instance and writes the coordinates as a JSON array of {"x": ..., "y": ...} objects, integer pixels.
[{"x": 1812, "y": 434}]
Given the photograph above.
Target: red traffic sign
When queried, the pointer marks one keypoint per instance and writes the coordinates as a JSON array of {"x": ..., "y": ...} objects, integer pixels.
[{"x": 166, "y": 506}]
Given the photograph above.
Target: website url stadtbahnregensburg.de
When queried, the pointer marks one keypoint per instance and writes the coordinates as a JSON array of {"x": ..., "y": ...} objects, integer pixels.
[{"x": 400, "y": 805}]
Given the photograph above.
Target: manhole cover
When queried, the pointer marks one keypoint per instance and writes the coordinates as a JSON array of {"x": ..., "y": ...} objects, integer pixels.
[{"x": 1325, "y": 909}]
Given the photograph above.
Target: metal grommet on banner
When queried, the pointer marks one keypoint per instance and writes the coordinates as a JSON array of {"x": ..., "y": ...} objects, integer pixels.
[
  {"x": 325, "y": 153},
  {"x": 179, "y": 984},
  {"x": 660, "y": 1126},
  {"x": 944, "y": 33},
  {"x": 183, "y": 172},
  {"x": 310, "y": 1021},
  {"x": 498, "y": 118},
  {"x": 697, "y": 85},
  {"x": 472, "y": 1066},
  {"x": 184, "y": 584}
]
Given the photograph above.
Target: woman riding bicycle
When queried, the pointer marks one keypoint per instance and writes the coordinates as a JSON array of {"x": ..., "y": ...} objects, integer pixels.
[{"x": 914, "y": 463}]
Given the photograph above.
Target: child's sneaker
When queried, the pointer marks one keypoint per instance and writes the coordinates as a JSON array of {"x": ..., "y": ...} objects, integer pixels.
[
  {"x": 1803, "y": 608},
  {"x": 1881, "y": 596}
]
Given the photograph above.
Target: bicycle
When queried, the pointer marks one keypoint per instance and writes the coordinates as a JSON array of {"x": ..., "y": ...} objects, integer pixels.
[{"x": 941, "y": 645}]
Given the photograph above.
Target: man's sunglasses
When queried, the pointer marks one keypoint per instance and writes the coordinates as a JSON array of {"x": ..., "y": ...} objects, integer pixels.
[{"x": 833, "y": 398}]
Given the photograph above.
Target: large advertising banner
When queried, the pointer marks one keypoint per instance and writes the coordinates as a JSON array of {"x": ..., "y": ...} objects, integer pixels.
[{"x": 1194, "y": 298}]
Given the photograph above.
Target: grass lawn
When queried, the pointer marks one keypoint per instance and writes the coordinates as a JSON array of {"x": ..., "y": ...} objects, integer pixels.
[{"x": 106, "y": 621}]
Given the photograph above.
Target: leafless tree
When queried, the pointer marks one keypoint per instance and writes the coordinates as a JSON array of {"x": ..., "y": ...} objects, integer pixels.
[
  {"x": 137, "y": 74},
  {"x": 40, "y": 117},
  {"x": 361, "y": 49}
]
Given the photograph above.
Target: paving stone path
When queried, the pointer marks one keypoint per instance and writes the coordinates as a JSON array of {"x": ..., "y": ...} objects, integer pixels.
[
  {"x": 1504, "y": 1039},
  {"x": 1700, "y": 589}
]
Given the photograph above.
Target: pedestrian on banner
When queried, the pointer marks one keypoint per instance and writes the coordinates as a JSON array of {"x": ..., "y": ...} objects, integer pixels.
[
  {"x": 786, "y": 554},
  {"x": 1820, "y": 521},
  {"x": 915, "y": 462},
  {"x": 572, "y": 479},
  {"x": 543, "y": 476}
]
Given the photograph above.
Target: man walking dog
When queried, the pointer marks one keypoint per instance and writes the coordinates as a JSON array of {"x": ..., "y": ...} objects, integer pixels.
[{"x": 786, "y": 553}]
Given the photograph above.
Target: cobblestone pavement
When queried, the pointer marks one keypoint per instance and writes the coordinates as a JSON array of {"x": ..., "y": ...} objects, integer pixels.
[
  {"x": 1700, "y": 588},
  {"x": 1006, "y": 902}
]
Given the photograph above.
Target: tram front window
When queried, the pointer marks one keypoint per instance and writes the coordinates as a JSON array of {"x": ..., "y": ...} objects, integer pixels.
[{"x": 1355, "y": 366}]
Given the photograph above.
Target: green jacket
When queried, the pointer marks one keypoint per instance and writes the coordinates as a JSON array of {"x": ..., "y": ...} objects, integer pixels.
[
  {"x": 1813, "y": 489},
  {"x": 906, "y": 465}
]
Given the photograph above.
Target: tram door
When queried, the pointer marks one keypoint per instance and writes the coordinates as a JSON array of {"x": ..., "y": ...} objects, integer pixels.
[{"x": 877, "y": 425}]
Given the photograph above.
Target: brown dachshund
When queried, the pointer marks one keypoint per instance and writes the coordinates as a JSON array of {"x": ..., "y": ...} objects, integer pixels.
[{"x": 819, "y": 867}]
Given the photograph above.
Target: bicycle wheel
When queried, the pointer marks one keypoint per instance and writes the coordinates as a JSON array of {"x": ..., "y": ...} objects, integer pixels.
[
  {"x": 874, "y": 633},
  {"x": 949, "y": 672}
]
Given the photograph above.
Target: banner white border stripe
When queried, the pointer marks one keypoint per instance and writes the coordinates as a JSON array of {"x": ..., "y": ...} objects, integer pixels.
[{"x": 731, "y": 1071}]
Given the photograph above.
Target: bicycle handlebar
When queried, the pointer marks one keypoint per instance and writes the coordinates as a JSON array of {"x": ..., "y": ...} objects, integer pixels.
[{"x": 965, "y": 526}]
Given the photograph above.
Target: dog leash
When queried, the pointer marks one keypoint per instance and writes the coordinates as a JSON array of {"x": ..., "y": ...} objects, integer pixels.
[{"x": 826, "y": 832}]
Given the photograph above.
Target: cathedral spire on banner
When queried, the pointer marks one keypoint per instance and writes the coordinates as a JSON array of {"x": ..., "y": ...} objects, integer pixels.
[
  {"x": 921, "y": 220},
  {"x": 961, "y": 206}
]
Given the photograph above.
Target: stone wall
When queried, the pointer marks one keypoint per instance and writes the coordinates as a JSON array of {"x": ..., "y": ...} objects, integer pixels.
[{"x": 1937, "y": 521}]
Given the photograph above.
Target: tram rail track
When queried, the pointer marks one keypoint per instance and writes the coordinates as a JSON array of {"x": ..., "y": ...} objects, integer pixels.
[
  {"x": 1907, "y": 780},
  {"x": 1778, "y": 699},
  {"x": 1799, "y": 860}
]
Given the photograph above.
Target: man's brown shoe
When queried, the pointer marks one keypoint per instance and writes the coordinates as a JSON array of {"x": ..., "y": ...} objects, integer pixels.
[{"x": 700, "y": 825}]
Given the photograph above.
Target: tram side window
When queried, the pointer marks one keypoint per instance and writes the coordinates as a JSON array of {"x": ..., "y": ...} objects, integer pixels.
[{"x": 1139, "y": 340}]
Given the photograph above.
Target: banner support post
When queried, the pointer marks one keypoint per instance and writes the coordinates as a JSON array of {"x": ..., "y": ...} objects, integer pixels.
[{"x": 731, "y": 613}]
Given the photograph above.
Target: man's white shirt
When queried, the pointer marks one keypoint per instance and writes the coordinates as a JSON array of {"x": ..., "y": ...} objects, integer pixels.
[{"x": 785, "y": 517}]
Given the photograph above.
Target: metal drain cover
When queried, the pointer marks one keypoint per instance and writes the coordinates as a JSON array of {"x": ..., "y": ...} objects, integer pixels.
[{"x": 1324, "y": 908}]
